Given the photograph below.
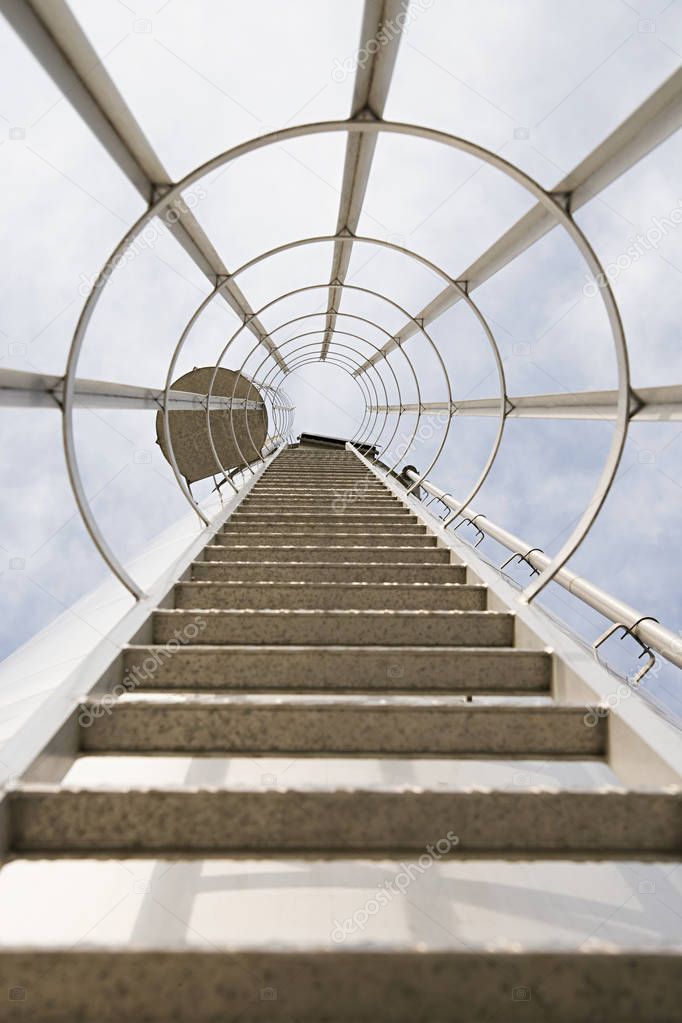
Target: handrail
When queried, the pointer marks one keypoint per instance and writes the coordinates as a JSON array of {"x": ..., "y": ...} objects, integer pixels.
[{"x": 646, "y": 630}]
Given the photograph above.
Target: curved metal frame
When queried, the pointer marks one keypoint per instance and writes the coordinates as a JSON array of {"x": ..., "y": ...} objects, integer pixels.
[
  {"x": 464, "y": 295},
  {"x": 345, "y": 333},
  {"x": 364, "y": 340},
  {"x": 351, "y": 348},
  {"x": 177, "y": 351},
  {"x": 372, "y": 414},
  {"x": 409, "y": 253},
  {"x": 373, "y": 127},
  {"x": 350, "y": 287}
]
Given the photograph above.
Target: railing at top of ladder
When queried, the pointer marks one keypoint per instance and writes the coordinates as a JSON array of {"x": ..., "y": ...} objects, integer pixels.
[{"x": 647, "y": 631}]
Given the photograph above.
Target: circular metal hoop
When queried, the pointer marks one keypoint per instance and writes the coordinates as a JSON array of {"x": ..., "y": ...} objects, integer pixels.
[
  {"x": 291, "y": 368},
  {"x": 554, "y": 207},
  {"x": 297, "y": 319},
  {"x": 178, "y": 349},
  {"x": 344, "y": 333},
  {"x": 354, "y": 288},
  {"x": 464, "y": 295}
]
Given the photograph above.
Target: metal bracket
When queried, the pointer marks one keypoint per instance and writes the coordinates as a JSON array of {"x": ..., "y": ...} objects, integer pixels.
[
  {"x": 472, "y": 522},
  {"x": 366, "y": 114},
  {"x": 636, "y": 404},
  {"x": 523, "y": 557},
  {"x": 57, "y": 393},
  {"x": 158, "y": 192},
  {"x": 564, "y": 200},
  {"x": 629, "y": 631},
  {"x": 448, "y": 509}
]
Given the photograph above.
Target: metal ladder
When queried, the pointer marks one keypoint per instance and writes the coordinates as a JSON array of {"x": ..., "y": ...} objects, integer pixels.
[{"x": 337, "y": 784}]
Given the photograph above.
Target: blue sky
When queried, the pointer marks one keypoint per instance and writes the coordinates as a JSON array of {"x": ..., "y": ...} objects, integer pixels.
[{"x": 540, "y": 83}]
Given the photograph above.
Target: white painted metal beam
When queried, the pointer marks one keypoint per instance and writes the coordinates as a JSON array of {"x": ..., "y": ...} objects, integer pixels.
[
  {"x": 40, "y": 390},
  {"x": 650, "y": 405},
  {"x": 55, "y": 38},
  {"x": 649, "y": 125},
  {"x": 381, "y": 23}
]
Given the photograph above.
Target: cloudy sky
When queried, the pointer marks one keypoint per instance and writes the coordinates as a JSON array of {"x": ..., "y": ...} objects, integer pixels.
[{"x": 540, "y": 83}]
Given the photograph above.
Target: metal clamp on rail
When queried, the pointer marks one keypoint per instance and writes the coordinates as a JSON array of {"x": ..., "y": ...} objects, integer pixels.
[
  {"x": 656, "y": 636},
  {"x": 630, "y": 631},
  {"x": 441, "y": 500},
  {"x": 472, "y": 522},
  {"x": 448, "y": 510},
  {"x": 523, "y": 557}
]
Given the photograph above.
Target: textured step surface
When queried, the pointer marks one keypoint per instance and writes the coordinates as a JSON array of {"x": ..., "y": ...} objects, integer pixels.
[
  {"x": 421, "y": 669},
  {"x": 393, "y": 515},
  {"x": 333, "y": 475},
  {"x": 300, "y": 526},
  {"x": 210, "y": 985},
  {"x": 349, "y": 494},
  {"x": 329, "y": 552},
  {"x": 312, "y": 489},
  {"x": 331, "y": 595},
  {"x": 318, "y": 502},
  {"x": 293, "y": 499},
  {"x": 237, "y": 537},
  {"x": 332, "y": 478},
  {"x": 388, "y": 516},
  {"x": 386, "y": 815},
  {"x": 336, "y": 724},
  {"x": 607, "y": 823},
  {"x": 344, "y": 628},
  {"x": 321, "y": 572}
]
